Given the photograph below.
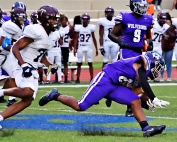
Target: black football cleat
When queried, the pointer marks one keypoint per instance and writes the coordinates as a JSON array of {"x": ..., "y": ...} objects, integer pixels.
[
  {"x": 108, "y": 102},
  {"x": 154, "y": 130},
  {"x": 11, "y": 102},
  {"x": 46, "y": 98},
  {"x": 129, "y": 113}
]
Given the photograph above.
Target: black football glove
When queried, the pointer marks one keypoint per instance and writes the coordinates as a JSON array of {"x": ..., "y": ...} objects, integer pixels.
[
  {"x": 52, "y": 68},
  {"x": 150, "y": 46},
  {"x": 123, "y": 44},
  {"x": 27, "y": 70},
  {"x": 102, "y": 51}
]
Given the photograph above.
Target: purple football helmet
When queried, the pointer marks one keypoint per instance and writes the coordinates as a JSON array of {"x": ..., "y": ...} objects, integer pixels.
[
  {"x": 161, "y": 18},
  {"x": 18, "y": 16},
  {"x": 47, "y": 13},
  {"x": 107, "y": 11},
  {"x": 34, "y": 17},
  {"x": 86, "y": 17}
]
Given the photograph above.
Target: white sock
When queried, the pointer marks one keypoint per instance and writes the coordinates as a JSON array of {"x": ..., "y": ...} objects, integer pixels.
[
  {"x": 11, "y": 98},
  {"x": 1, "y": 118},
  {"x": 1, "y": 92}
]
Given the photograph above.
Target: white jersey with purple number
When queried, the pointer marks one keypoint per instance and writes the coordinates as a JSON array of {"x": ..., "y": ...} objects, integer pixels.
[
  {"x": 85, "y": 33},
  {"x": 134, "y": 29},
  {"x": 108, "y": 25},
  {"x": 66, "y": 37},
  {"x": 158, "y": 32},
  {"x": 33, "y": 53}
]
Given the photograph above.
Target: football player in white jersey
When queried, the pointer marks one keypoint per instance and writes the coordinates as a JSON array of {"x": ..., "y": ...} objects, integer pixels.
[
  {"x": 36, "y": 40},
  {"x": 159, "y": 29},
  {"x": 54, "y": 56},
  {"x": 12, "y": 31},
  {"x": 65, "y": 47},
  {"x": 107, "y": 47},
  {"x": 83, "y": 44}
]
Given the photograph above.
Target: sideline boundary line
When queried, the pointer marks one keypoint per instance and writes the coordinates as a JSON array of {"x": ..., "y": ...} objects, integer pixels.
[{"x": 79, "y": 86}]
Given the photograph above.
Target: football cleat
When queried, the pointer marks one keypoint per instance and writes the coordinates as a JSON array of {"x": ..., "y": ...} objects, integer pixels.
[
  {"x": 129, "y": 113},
  {"x": 47, "y": 97},
  {"x": 108, "y": 102},
  {"x": 154, "y": 130},
  {"x": 11, "y": 102}
]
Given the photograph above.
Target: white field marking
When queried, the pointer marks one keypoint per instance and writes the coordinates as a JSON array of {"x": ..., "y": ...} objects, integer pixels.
[
  {"x": 170, "y": 97},
  {"x": 80, "y": 86}
]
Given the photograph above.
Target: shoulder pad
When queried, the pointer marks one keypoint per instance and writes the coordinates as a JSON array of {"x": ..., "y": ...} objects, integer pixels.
[
  {"x": 100, "y": 21},
  {"x": 119, "y": 18},
  {"x": 77, "y": 27},
  {"x": 32, "y": 31},
  {"x": 10, "y": 27}
]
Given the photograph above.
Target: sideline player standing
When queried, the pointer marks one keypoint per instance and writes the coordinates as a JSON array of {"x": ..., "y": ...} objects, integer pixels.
[
  {"x": 83, "y": 44},
  {"x": 107, "y": 47}
]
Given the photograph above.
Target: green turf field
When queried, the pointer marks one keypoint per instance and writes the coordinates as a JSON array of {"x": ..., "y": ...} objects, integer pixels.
[{"x": 57, "y": 127}]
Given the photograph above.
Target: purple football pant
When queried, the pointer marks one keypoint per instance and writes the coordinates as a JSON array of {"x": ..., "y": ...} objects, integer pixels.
[
  {"x": 127, "y": 53},
  {"x": 102, "y": 87}
]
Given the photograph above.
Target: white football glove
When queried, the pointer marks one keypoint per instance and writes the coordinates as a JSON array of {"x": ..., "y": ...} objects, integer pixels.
[
  {"x": 158, "y": 103},
  {"x": 151, "y": 105}
]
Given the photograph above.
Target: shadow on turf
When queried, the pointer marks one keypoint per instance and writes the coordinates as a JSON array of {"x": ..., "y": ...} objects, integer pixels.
[
  {"x": 94, "y": 131},
  {"x": 6, "y": 132}
]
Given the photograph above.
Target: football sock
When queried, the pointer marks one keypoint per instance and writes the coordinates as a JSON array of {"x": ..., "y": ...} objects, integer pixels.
[
  {"x": 1, "y": 92},
  {"x": 144, "y": 125}
]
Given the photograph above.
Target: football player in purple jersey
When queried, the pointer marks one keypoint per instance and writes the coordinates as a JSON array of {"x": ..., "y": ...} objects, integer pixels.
[
  {"x": 117, "y": 86},
  {"x": 134, "y": 26}
]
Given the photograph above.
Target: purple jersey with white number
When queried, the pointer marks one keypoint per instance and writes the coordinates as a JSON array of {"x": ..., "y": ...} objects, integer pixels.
[
  {"x": 123, "y": 71},
  {"x": 134, "y": 29}
]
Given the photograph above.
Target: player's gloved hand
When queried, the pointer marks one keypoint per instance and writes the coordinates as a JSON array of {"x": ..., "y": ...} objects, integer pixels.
[
  {"x": 102, "y": 50},
  {"x": 52, "y": 68},
  {"x": 27, "y": 70},
  {"x": 6, "y": 42},
  {"x": 151, "y": 105},
  {"x": 150, "y": 46},
  {"x": 159, "y": 103},
  {"x": 123, "y": 44}
]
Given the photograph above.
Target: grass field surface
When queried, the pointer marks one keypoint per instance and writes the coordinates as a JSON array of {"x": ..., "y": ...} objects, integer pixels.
[{"x": 58, "y": 123}]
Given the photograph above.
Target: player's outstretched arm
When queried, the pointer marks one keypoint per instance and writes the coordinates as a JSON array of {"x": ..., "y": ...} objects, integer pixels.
[
  {"x": 154, "y": 101},
  {"x": 95, "y": 43}
]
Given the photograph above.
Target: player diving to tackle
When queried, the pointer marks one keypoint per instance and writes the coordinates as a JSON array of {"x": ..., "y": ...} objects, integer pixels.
[
  {"x": 117, "y": 86},
  {"x": 134, "y": 26},
  {"x": 36, "y": 40}
]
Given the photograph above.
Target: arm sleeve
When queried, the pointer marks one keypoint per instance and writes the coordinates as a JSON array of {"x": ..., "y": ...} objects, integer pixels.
[{"x": 144, "y": 83}]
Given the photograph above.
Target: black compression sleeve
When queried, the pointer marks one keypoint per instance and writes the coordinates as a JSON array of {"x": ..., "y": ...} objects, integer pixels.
[{"x": 144, "y": 83}]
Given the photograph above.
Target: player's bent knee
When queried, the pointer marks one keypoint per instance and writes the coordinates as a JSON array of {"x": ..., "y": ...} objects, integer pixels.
[
  {"x": 28, "y": 92},
  {"x": 136, "y": 102}
]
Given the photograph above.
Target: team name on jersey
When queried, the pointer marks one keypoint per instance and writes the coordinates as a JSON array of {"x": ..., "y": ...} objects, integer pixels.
[{"x": 136, "y": 26}]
